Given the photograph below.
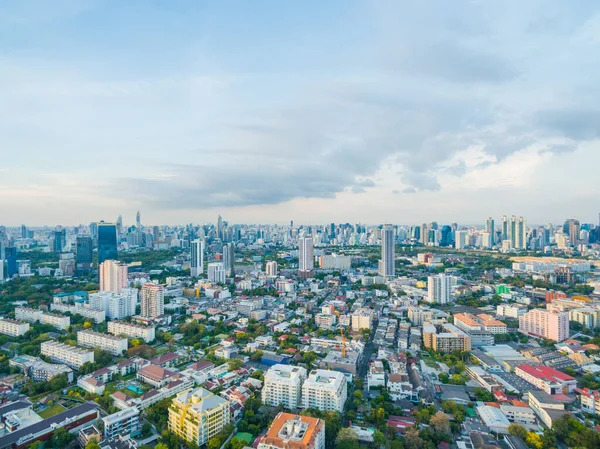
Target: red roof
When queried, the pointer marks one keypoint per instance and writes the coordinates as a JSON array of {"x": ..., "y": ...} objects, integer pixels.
[{"x": 545, "y": 373}]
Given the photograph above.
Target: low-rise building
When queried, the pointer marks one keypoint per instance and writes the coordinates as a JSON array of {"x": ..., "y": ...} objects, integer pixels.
[
  {"x": 147, "y": 333},
  {"x": 54, "y": 319},
  {"x": 69, "y": 355},
  {"x": 110, "y": 343},
  {"x": 376, "y": 374},
  {"x": 91, "y": 385},
  {"x": 546, "y": 407},
  {"x": 39, "y": 370},
  {"x": 97, "y": 315},
  {"x": 547, "y": 379},
  {"x": 27, "y": 314},
  {"x": 590, "y": 400},
  {"x": 290, "y": 431},
  {"x": 13, "y": 328},
  {"x": 124, "y": 422}
]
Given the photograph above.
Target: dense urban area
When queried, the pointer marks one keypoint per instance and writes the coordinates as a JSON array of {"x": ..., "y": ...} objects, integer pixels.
[{"x": 230, "y": 336}]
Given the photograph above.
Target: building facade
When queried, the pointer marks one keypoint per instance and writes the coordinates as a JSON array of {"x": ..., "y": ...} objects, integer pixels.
[
  {"x": 110, "y": 343},
  {"x": 283, "y": 386}
]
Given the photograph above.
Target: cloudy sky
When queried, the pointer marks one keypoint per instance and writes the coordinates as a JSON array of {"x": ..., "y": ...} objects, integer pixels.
[{"x": 313, "y": 111}]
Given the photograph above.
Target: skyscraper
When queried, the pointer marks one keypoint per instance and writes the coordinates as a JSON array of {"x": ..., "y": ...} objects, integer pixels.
[
  {"x": 491, "y": 228},
  {"x": 521, "y": 238},
  {"x": 10, "y": 255},
  {"x": 152, "y": 300},
  {"x": 306, "y": 257},
  {"x": 388, "y": 251},
  {"x": 24, "y": 232},
  {"x": 220, "y": 227},
  {"x": 505, "y": 232},
  {"x": 446, "y": 239},
  {"x": 572, "y": 228},
  {"x": 59, "y": 239},
  {"x": 107, "y": 242},
  {"x": 113, "y": 276},
  {"x": 83, "y": 255},
  {"x": 229, "y": 258},
  {"x": 197, "y": 260}
]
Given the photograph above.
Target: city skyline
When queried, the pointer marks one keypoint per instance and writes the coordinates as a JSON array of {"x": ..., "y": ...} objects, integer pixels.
[{"x": 334, "y": 112}]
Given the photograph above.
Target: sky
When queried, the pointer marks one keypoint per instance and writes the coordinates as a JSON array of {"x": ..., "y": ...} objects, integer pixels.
[{"x": 269, "y": 111}]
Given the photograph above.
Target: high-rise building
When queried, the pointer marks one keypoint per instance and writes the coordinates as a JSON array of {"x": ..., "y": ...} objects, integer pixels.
[
  {"x": 517, "y": 232},
  {"x": 446, "y": 239},
  {"x": 10, "y": 255},
  {"x": 550, "y": 324},
  {"x": 306, "y": 257},
  {"x": 229, "y": 258},
  {"x": 152, "y": 300},
  {"x": 107, "y": 242},
  {"x": 83, "y": 255},
  {"x": 283, "y": 386},
  {"x": 220, "y": 227},
  {"x": 59, "y": 239},
  {"x": 216, "y": 273},
  {"x": 572, "y": 227},
  {"x": 24, "y": 233},
  {"x": 271, "y": 268},
  {"x": 491, "y": 229},
  {"x": 440, "y": 288},
  {"x": 197, "y": 260},
  {"x": 113, "y": 276},
  {"x": 198, "y": 415},
  {"x": 461, "y": 239},
  {"x": 388, "y": 251},
  {"x": 505, "y": 233},
  {"x": 325, "y": 390}
]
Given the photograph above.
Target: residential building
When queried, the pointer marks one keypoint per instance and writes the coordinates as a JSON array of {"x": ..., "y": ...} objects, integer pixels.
[
  {"x": 449, "y": 338},
  {"x": 110, "y": 343},
  {"x": 152, "y": 298},
  {"x": 271, "y": 268},
  {"x": 124, "y": 422},
  {"x": 547, "y": 379},
  {"x": 388, "y": 251},
  {"x": 216, "y": 273},
  {"x": 283, "y": 386},
  {"x": 229, "y": 258},
  {"x": 97, "y": 315},
  {"x": 510, "y": 310},
  {"x": 290, "y": 431},
  {"x": 197, "y": 257},
  {"x": 27, "y": 314},
  {"x": 198, "y": 415},
  {"x": 325, "y": 390},
  {"x": 54, "y": 319},
  {"x": 376, "y": 374},
  {"x": 590, "y": 400},
  {"x": 39, "y": 370},
  {"x": 91, "y": 385},
  {"x": 362, "y": 319},
  {"x": 469, "y": 322},
  {"x": 440, "y": 288},
  {"x": 306, "y": 257},
  {"x": 116, "y": 306},
  {"x": 544, "y": 323},
  {"x": 83, "y": 255},
  {"x": 155, "y": 375},
  {"x": 13, "y": 328},
  {"x": 335, "y": 262},
  {"x": 71, "y": 356},
  {"x": 113, "y": 276},
  {"x": 147, "y": 333},
  {"x": 587, "y": 316},
  {"x": 418, "y": 315}
]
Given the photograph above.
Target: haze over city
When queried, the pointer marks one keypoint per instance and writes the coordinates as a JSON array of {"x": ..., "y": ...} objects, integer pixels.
[{"x": 321, "y": 111}]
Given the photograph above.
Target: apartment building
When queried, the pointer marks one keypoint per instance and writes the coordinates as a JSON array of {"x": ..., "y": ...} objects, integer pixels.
[
  {"x": 325, "y": 320},
  {"x": 152, "y": 298},
  {"x": 124, "y": 422},
  {"x": 325, "y": 390},
  {"x": 290, "y": 431},
  {"x": 544, "y": 323},
  {"x": 590, "y": 400},
  {"x": 147, "y": 333},
  {"x": 510, "y": 310},
  {"x": 13, "y": 328},
  {"x": 198, "y": 415},
  {"x": 440, "y": 288},
  {"x": 586, "y": 316},
  {"x": 547, "y": 379},
  {"x": 71, "y": 356},
  {"x": 362, "y": 319},
  {"x": 27, "y": 314},
  {"x": 283, "y": 386},
  {"x": 115, "y": 305},
  {"x": 39, "y": 370},
  {"x": 54, "y": 319},
  {"x": 447, "y": 338},
  {"x": 110, "y": 343},
  {"x": 97, "y": 315},
  {"x": 419, "y": 315},
  {"x": 469, "y": 322},
  {"x": 546, "y": 407}
]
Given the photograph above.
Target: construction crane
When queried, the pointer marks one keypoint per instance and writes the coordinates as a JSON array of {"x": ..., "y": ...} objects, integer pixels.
[{"x": 343, "y": 336}]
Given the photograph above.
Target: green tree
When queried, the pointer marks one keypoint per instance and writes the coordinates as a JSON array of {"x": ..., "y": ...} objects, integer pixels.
[
  {"x": 92, "y": 445},
  {"x": 518, "y": 430},
  {"x": 234, "y": 364}
]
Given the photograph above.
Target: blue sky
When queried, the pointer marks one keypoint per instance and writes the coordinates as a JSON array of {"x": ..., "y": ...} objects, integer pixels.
[{"x": 268, "y": 111}]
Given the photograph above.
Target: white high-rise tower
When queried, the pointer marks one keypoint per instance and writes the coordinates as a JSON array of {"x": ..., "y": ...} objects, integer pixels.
[
  {"x": 388, "y": 251},
  {"x": 197, "y": 261},
  {"x": 306, "y": 256}
]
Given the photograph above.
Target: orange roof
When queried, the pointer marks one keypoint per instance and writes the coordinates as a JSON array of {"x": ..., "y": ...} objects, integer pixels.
[
  {"x": 315, "y": 425},
  {"x": 465, "y": 318},
  {"x": 519, "y": 403},
  {"x": 494, "y": 323}
]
